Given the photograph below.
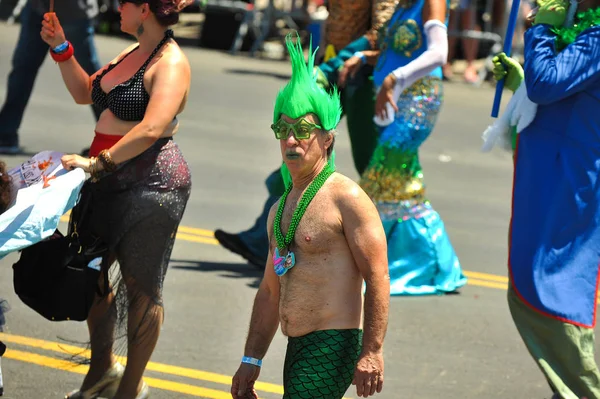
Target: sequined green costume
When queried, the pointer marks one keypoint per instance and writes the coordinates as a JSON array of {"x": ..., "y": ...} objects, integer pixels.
[
  {"x": 321, "y": 364},
  {"x": 421, "y": 259}
]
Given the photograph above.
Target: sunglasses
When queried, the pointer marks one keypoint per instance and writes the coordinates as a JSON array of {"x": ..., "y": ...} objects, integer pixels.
[{"x": 300, "y": 129}]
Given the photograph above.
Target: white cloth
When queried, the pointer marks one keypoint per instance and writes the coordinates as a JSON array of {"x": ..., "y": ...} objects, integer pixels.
[
  {"x": 519, "y": 112},
  {"x": 30, "y": 172},
  {"x": 435, "y": 56},
  {"x": 36, "y": 210}
]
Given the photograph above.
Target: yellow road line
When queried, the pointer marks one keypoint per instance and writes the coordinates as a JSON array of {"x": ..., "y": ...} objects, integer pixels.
[
  {"x": 204, "y": 236},
  {"x": 152, "y": 366},
  {"x": 193, "y": 238},
  {"x": 65, "y": 365},
  {"x": 488, "y": 284},
  {"x": 486, "y": 276},
  {"x": 193, "y": 230},
  {"x": 182, "y": 229}
]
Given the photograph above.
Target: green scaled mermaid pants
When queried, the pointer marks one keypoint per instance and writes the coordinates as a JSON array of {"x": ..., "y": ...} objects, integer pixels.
[{"x": 321, "y": 364}]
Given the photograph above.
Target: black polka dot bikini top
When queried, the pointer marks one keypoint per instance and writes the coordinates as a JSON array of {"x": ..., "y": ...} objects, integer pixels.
[{"x": 128, "y": 100}]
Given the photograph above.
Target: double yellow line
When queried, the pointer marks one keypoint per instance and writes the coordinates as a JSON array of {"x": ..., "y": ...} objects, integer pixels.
[
  {"x": 69, "y": 350},
  {"x": 184, "y": 233},
  {"x": 475, "y": 278},
  {"x": 487, "y": 280},
  {"x": 196, "y": 235},
  {"x": 203, "y": 236}
]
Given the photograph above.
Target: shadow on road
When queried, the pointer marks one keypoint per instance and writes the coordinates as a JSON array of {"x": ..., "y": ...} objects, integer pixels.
[
  {"x": 232, "y": 270},
  {"x": 259, "y": 73}
]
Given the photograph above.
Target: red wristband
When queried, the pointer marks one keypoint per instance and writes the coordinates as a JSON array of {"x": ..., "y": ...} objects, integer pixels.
[{"x": 64, "y": 56}]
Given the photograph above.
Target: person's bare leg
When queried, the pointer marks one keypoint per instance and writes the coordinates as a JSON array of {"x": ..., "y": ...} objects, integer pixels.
[
  {"x": 145, "y": 317},
  {"x": 101, "y": 325},
  {"x": 498, "y": 11},
  {"x": 470, "y": 46}
]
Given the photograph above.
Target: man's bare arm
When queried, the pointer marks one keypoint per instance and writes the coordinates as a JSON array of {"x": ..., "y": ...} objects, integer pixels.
[
  {"x": 366, "y": 239},
  {"x": 265, "y": 313}
]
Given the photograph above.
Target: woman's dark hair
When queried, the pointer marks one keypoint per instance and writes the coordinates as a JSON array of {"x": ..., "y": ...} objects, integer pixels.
[
  {"x": 167, "y": 11},
  {"x": 5, "y": 188}
]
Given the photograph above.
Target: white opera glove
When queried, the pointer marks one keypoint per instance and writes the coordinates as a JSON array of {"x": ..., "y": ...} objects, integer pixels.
[{"x": 436, "y": 35}]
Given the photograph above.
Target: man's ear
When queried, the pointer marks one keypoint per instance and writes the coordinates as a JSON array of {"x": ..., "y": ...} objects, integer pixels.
[{"x": 329, "y": 139}]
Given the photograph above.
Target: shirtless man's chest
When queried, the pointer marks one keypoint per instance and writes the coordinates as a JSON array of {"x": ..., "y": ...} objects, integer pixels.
[{"x": 324, "y": 280}]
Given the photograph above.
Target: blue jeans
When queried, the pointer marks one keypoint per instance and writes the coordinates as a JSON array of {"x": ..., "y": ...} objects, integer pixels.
[
  {"x": 28, "y": 56},
  {"x": 256, "y": 238}
]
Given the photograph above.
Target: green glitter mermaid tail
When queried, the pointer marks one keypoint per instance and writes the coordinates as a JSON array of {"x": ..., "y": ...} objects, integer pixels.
[
  {"x": 321, "y": 364},
  {"x": 421, "y": 259},
  {"x": 394, "y": 175}
]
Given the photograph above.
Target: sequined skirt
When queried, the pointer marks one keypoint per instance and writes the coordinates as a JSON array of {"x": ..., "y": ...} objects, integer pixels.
[
  {"x": 137, "y": 210},
  {"x": 421, "y": 258},
  {"x": 394, "y": 173}
]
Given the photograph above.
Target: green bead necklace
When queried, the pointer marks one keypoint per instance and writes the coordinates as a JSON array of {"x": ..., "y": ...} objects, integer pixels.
[
  {"x": 281, "y": 264},
  {"x": 583, "y": 21}
]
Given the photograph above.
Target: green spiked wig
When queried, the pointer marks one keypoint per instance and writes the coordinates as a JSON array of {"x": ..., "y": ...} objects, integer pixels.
[{"x": 302, "y": 95}]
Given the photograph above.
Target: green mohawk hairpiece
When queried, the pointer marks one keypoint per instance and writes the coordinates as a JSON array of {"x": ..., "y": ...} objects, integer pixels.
[{"x": 302, "y": 95}]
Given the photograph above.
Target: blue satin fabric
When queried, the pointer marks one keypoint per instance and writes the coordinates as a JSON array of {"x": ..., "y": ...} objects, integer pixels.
[
  {"x": 37, "y": 211},
  {"x": 421, "y": 258},
  {"x": 554, "y": 249}
]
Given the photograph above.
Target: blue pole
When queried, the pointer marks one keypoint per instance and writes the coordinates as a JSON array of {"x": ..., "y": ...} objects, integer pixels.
[{"x": 510, "y": 32}]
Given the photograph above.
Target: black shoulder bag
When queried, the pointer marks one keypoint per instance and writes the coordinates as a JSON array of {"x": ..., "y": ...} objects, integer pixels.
[{"x": 58, "y": 277}]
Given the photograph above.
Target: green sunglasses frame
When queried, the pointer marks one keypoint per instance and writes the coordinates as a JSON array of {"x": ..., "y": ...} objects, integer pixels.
[{"x": 301, "y": 129}]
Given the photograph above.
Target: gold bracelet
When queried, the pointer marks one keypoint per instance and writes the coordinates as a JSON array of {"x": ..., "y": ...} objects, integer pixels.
[
  {"x": 93, "y": 167},
  {"x": 107, "y": 161}
]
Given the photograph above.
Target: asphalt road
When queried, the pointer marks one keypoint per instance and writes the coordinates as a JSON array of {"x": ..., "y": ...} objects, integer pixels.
[{"x": 456, "y": 346}]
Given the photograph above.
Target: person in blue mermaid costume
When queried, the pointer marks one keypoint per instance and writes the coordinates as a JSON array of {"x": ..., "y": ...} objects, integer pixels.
[
  {"x": 554, "y": 251},
  {"x": 413, "y": 47}
]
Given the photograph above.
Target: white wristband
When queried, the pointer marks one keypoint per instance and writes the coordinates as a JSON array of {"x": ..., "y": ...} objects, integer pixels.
[
  {"x": 251, "y": 360},
  {"x": 362, "y": 56}
]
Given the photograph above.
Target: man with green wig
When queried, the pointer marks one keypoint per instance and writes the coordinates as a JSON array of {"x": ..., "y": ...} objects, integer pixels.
[
  {"x": 325, "y": 239},
  {"x": 351, "y": 35}
]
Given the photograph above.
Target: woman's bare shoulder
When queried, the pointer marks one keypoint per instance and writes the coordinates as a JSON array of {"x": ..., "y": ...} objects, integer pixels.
[
  {"x": 123, "y": 53},
  {"x": 174, "y": 55}
]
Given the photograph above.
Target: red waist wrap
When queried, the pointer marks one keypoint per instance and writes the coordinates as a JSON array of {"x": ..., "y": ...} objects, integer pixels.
[{"x": 103, "y": 142}]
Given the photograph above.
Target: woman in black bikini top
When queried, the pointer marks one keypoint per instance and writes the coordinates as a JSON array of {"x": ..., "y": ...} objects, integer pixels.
[
  {"x": 139, "y": 188},
  {"x": 127, "y": 100}
]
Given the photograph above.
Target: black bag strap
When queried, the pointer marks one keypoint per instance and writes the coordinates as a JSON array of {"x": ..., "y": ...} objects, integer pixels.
[{"x": 80, "y": 210}]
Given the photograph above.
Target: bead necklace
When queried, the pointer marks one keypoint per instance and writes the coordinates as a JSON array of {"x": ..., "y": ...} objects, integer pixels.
[
  {"x": 283, "y": 264},
  {"x": 583, "y": 21}
]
